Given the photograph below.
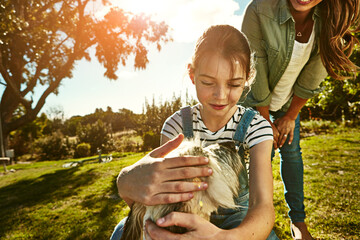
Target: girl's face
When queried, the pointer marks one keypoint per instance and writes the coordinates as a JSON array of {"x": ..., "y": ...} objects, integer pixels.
[
  {"x": 217, "y": 89},
  {"x": 304, "y": 5}
]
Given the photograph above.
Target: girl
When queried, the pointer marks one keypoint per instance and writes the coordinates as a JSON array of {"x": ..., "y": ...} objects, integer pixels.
[
  {"x": 220, "y": 69},
  {"x": 296, "y": 43}
]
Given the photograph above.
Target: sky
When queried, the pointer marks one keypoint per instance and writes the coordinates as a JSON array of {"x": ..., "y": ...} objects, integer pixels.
[{"x": 164, "y": 76}]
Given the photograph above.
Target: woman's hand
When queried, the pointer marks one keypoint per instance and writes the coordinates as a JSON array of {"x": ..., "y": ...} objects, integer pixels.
[
  {"x": 264, "y": 111},
  {"x": 198, "y": 227},
  {"x": 156, "y": 180},
  {"x": 276, "y": 135},
  {"x": 285, "y": 125}
]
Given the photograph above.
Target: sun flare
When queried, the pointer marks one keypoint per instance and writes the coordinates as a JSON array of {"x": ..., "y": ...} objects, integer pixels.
[{"x": 142, "y": 6}]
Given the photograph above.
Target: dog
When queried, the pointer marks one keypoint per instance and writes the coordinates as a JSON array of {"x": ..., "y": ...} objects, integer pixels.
[{"x": 223, "y": 186}]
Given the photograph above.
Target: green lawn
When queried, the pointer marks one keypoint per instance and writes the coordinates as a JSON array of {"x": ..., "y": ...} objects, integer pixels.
[
  {"x": 45, "y": 201},
  {"x": 331, "y": 185}
]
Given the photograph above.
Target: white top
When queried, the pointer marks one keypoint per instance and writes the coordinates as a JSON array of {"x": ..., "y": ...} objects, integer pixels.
[
  {"x": 284, "y": 88},
  {"x": 258, "y": 131}
]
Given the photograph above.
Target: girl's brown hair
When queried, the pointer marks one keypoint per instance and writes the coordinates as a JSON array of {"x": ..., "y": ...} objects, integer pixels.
[
  {"x": 340, "y": 20},
  {"x": 230, "y": 43}
]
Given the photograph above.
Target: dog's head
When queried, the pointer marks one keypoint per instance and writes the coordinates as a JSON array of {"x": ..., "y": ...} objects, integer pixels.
[{"x": 223, "y": 183}]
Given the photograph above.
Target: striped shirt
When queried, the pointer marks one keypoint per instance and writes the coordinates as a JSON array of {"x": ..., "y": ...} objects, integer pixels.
[{"x": 258, "y": 131}]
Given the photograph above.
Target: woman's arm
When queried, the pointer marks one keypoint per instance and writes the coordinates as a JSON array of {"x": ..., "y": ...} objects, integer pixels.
[
  {"x": 156, "y": 180},
  {"x": 264, "y": 111},
  {"x": 284, "y": 126}
]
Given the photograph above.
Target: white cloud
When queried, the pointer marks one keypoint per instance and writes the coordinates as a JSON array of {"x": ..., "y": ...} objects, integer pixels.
[{"x": 187, "y": 18}]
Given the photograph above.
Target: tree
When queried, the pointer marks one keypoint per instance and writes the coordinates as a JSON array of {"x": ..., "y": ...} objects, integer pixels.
[
  {"x": 154, "y": 116},
  {"x": 96, "y": 134},
  {"x": 22, "y": 139},
  {"x": 339, "y": 100},
  {"x": 71, "y": 124},
  {"x": 53, "y": 146},
  {"x": 41, "y": 40}
]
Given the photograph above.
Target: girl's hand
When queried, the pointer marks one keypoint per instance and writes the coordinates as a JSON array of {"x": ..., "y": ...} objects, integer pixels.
[
  {"x": 198, "y": 227},
  {"x": 285, "y": 125},
  {"x": 156, "y": 180}
]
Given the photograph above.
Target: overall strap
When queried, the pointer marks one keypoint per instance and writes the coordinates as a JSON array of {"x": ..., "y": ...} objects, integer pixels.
[
  {"x": 244, "y": 124},
  {"x": 239, "y": 138},
  {"x": 187, "y": 121}
]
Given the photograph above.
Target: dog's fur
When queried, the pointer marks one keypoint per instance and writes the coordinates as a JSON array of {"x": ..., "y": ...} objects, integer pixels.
[{"x": 223, "y": 186}]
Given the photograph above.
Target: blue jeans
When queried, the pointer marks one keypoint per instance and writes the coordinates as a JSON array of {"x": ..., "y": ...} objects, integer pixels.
[
  {"x": 292, "y": 172},
  {"x": 227, "y": 219}
]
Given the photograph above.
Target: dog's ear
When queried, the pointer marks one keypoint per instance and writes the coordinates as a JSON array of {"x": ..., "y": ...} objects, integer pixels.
[
  {"x": 134, "y": 223},
  {"x": 230, "y": 145}
]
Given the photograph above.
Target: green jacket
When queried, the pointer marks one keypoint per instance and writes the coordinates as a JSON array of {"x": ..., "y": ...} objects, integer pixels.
[{"x": 270, "y": 29}]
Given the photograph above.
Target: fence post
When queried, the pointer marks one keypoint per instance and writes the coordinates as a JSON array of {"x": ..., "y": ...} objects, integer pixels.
[
  {"x": 10, "y": 154},
  {"x": 2, "y": 157},
  {"x": 99, "y": 152}
]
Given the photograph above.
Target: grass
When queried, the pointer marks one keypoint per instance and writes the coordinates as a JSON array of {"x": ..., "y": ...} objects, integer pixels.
[
  {"x": 331, "y": 186},
  {"x": 43, "y": 200}
]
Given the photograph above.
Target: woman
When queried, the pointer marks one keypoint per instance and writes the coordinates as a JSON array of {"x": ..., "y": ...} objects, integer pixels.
[{"x": 296, "y": 44}]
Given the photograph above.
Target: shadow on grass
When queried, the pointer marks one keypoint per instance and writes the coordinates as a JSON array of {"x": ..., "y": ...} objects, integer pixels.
[
  {"x": 105, "y": 211},
  {"x": 106, "y": 215},
  {"x": 47, "y": 188}
]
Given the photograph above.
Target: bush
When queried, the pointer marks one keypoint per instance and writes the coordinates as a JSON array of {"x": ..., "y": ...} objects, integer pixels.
[
  {"x": 52, "y": 147},
  {"x": 119, "y": 154},
  {"x": 97, "y": 135},
  {"x": 126, "y": 144},
  {"x": 317, "y": 126},
  {"x": 151, "y": 141},
  {"x": 82, "y": 150}
]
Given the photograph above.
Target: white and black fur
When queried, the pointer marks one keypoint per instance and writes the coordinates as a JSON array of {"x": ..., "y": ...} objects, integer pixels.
[{"x": 223, "y": 186}]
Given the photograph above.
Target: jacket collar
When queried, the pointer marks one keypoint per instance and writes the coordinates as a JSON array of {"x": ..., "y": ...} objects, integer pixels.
[{"x": 284, "y": 12}]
